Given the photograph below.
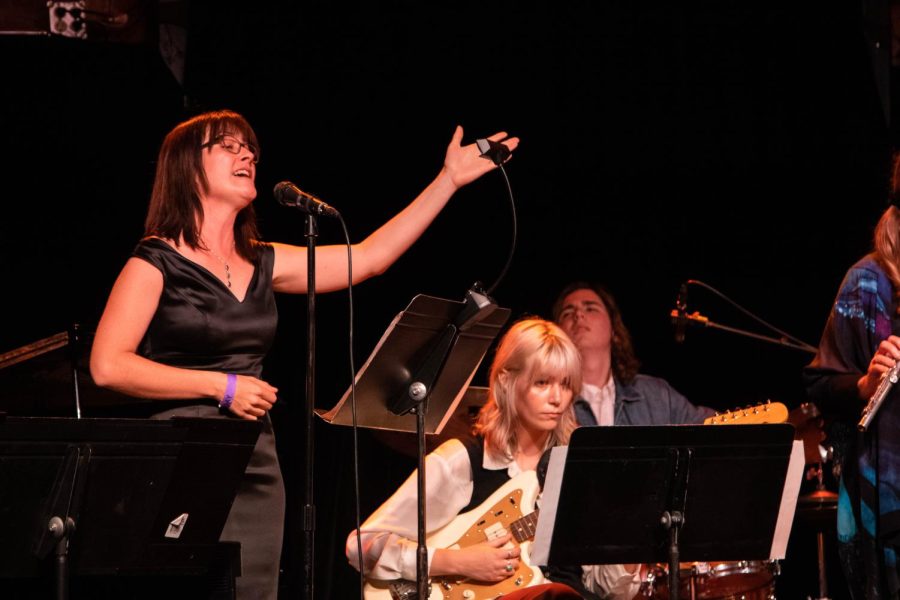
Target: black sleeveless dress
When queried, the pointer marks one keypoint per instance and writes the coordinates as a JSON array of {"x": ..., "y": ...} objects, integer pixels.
[{"x": 200, "y": 324}]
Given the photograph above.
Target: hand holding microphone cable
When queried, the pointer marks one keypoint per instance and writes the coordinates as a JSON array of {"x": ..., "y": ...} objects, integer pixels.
[{"x": 496, "y": 152}]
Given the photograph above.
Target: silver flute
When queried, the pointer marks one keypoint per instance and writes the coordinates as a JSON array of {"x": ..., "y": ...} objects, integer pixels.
[{"x": 884, "y": 388}]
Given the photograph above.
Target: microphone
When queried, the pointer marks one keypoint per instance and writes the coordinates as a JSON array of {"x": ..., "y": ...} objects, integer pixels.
[
  {"x": 288, "y": 194},
  {"x": 494, "y": 151},
  {"x": 679, "y": 315}
]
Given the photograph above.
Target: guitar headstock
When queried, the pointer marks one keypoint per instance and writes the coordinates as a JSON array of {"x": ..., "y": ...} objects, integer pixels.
[{"x": 769, "y": 412}]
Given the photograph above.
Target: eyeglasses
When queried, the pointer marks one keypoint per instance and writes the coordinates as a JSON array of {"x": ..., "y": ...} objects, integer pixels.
[{"x": 233, "y": 145}]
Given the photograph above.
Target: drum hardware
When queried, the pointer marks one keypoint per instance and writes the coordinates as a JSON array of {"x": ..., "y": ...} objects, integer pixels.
[
  {"x": 808, "y": 425},
  {"x": 819, "y": 509},
  {"x": 740, "y": 580}
]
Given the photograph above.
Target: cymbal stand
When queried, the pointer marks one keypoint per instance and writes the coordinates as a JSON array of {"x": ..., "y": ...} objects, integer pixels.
[{"x": 820, "y": 540}]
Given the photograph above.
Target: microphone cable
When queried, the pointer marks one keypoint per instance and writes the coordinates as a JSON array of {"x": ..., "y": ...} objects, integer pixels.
[
  {"x": 356, "y": 493},
  {"x": 355, "y": 427},
  {"x": 353, "y": 405},
  {"x": 312, "y": 206},
  {"x": 515, "y": 228}
]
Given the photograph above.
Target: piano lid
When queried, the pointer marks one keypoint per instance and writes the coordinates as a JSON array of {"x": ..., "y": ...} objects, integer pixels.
[{"x": 42, "y": 379}]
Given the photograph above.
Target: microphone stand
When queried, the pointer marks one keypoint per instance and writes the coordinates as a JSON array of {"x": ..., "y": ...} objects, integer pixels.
[
  {"x": 309, "y": 508},
  {"x": 477, "y": 307},
  {"x": 699, "y": 319}
]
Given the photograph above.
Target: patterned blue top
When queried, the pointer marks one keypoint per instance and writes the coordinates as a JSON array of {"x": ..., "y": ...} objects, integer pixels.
[{"x": 862, "y": 316}]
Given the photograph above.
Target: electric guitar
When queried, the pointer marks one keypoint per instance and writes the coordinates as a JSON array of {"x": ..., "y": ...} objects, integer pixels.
[
  {"x": 503, "y": 512},
  {"x": 500, "y": 514}
]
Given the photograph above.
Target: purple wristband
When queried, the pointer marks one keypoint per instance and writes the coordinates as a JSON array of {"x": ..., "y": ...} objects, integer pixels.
[{"x": 230, "y": 387}]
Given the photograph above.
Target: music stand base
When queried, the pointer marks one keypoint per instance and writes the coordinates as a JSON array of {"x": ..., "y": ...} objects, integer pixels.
[{"x": 672, "y": 521}]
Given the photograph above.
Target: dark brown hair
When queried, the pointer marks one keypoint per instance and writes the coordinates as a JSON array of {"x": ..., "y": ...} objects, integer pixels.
[
  {"x": 624, "y": 363},
  {"x": 175, "y": 211}
]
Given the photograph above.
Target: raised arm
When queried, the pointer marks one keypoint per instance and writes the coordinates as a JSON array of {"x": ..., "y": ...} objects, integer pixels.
[
  {"x": 116, "y": 364},
  {"x": 372, "y": 256}
]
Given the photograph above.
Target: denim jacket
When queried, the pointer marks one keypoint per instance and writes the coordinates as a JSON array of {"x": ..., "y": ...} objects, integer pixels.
[{"x": 647, "y": 401}]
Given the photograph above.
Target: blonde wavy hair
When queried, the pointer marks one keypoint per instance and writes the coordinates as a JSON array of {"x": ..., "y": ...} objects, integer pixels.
[{"x": 532, "y": 349}]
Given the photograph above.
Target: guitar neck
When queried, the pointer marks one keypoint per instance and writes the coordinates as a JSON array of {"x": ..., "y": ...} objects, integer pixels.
[
  {"x": 523, "y": 529},
  {"x": 770, "y": 412}
]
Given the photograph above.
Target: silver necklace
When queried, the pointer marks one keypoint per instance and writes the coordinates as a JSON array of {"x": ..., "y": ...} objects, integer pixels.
[{"x": 224, "y": 264}]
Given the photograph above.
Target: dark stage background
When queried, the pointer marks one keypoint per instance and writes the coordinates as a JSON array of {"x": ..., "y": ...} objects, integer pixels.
[{"x": 742, "y": 145}]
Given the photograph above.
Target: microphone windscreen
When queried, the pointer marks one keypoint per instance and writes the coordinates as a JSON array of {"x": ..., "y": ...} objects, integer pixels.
[{"x": 286, "y": 193}]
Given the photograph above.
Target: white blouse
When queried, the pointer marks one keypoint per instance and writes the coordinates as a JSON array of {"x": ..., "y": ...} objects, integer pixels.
[{"x": 389, "y": 535}]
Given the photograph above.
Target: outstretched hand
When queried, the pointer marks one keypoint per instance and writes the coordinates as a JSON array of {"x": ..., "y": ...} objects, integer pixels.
[{"x": 464, "y": 163}]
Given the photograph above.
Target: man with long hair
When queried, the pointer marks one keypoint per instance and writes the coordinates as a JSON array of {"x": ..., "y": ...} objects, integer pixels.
[{"x": 614, "y": 392}]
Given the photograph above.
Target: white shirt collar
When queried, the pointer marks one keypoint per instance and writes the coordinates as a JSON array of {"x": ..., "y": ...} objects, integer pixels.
[
  {"x": 601, "y": 400},
  {"x": 493, "y": 463}
]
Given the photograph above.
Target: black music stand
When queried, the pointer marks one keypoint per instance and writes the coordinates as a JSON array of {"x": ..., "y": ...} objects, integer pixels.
[
  {"x": 118, "y": 496},
  {"x": 417, "y": 374},
  {"x": 667, "y": 494}
]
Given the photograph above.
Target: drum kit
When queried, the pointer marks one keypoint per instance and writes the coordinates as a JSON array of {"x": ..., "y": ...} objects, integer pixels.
[
  {"x": 755, "y": 580},
  {"x": 741, "y": 580}
]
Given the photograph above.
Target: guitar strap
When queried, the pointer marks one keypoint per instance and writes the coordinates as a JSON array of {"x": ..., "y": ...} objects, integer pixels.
[{"x": 484, "y": 481}]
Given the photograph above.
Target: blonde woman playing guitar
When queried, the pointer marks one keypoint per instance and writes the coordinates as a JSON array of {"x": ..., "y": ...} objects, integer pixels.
[{"x": 534, "y": 376}]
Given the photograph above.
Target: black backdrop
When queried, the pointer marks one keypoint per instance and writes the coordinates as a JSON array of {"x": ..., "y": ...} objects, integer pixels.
[{"x": 737, "y": 144}]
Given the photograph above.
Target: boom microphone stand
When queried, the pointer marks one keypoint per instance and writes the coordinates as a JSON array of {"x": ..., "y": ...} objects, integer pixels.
[
  {"x": 681, "y": 318},
  {"x": 698, "y": 319}
]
